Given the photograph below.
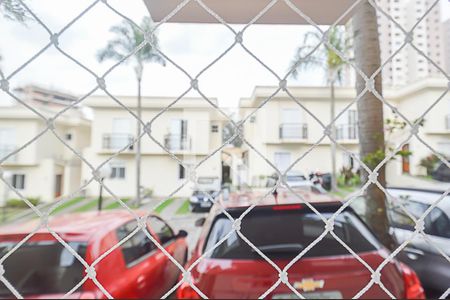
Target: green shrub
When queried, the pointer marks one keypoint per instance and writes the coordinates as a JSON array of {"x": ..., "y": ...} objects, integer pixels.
[
  {"x": 429, "y": 163},
  {"x": 19, "y": 203}
]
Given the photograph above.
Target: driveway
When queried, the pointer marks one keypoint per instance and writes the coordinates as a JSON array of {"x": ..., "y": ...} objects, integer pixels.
[{"x": 408, "y": 181}]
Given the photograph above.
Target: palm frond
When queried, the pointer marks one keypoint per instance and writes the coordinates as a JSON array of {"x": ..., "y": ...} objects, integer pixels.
[
  {"x": 127, "y": 38},
  {"x": 324, "y": 56},
  {"x": 13, "y": 10}
]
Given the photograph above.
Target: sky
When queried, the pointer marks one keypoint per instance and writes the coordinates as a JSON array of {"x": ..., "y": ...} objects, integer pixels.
[{"x": 191, "y": 46}]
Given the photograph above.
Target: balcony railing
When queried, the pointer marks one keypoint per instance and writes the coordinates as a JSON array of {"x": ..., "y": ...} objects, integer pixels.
[
  {"x": 6, "y": 150},
  {"x": 293, "y": 131},
  {"x": 175, "y": 142},
  {"x": 117, "y": 141},
  {"x": 447, "y": 122},
  {"x": 346, "y": 132}
]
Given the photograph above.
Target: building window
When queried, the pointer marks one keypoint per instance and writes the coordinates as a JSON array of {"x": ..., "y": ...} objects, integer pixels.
[
  {"x": 68, "y": 136},
  {"x": 215, "y": 128},
  {"x": 181, "y": 172},
  {"x": 118, "y": 172},
  {"x": 18, "y": 181},
  {"x": 252, "y": 119}
]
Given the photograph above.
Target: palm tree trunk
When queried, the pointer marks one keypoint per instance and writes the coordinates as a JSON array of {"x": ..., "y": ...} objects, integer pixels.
[
  {"x": 138, "y": 146},
  {"x": 370, "y": 111},
  {"x": 333, "y": 135}
]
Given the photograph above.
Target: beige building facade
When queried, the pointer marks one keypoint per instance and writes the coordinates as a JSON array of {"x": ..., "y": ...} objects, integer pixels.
[
  {"x": 283, "y": 131},
  {"x": 191, "y": 130},
  {"x": 46, "y": 168}
]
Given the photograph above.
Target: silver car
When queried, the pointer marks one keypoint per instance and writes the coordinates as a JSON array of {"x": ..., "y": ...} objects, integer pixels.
[{"x": 424, "y": 254}]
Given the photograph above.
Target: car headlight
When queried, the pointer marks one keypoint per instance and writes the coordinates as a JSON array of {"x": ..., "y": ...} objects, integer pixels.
[{"x": 193, "y": 199}]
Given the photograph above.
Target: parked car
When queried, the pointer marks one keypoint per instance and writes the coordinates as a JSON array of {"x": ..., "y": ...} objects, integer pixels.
[
  {"x": 208, "y": 188},
  {"x": 297, "y": 181},
  {"x": 43, "y": 268},
  {"x": 281, "y": 228},
  {"x": 441, "y": 173},
  {"x": 202, "y": 201},
  {"x": 424, "y": 254}
]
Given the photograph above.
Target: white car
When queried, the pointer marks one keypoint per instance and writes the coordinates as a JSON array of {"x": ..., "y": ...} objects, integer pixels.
[
  {"x": 297, "y": 180},
  {"x": 423, "y": 254}
]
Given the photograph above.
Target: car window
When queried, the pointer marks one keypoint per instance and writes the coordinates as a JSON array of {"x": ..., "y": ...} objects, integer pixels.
[
  {"x": 400, "y": 218},
  {"x": 439, "y": 224},
  {"x": 162, "y": 230},
  {"x": 284, "y": 234},
  {"x": 137, "y": 246},
  {"x": 44, "y": 267}
]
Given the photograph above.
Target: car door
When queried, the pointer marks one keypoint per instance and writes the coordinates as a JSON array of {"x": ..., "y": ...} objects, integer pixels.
[
  {"x": 173, "y": 246},
  {"x": 424, "y": 257},
  {"x": 144, "y": 262}
]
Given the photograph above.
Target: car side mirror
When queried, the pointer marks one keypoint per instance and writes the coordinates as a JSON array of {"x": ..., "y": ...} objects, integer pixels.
[
  {"x": 200, "y": 222},
  {"x": 182, "y": 233}
]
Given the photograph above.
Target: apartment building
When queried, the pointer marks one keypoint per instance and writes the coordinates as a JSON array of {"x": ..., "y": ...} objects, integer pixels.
[
  {"x": 409, "y": 65},
  {"x": 191, "y": 130},
  {"x": 283, "y": 131},
  {"x": 45, "y": 169},
  {"x": 446, "y": 30}
]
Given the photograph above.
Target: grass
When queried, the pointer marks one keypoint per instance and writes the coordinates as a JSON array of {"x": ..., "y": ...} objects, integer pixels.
[
  {"x": 184, "y": 208},
  {"x": 67, "y": 204},
  {"x": 159, "y": 209},
  {"x": 343, "y": 191},
  {"x": 88, "y": 206},
  {"x": 116, "y": 204}
]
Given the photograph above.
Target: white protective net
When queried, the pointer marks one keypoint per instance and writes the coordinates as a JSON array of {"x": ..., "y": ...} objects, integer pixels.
[{"x": 102, "y": 84}]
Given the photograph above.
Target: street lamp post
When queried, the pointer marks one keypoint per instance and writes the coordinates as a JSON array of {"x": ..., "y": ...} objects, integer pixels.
[{"x": 105, "y": 172}]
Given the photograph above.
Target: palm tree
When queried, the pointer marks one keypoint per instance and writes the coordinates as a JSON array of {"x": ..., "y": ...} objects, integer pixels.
[
  {"x": 13, "y": 10},
  {"x": 128, "y": 37},
  {"x": 333, "y": 64},
  {"x": 370, "y": 121}
]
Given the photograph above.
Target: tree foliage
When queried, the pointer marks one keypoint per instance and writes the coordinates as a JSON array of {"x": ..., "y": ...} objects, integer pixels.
[{"x": 13, "y": 10}]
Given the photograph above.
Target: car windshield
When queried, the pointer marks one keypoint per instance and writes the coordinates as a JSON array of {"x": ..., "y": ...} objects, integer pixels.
[
  {"x": 284, "y": 234},
  {"x": 44, "y": 267}
]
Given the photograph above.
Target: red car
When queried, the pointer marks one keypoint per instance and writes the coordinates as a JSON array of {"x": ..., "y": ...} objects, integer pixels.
[
  {"x": 281, "y": 228},
  {"x": 43, "y": 268}
]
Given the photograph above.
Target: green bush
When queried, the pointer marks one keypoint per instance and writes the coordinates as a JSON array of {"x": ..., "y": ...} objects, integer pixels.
[
  {"x": 429, "y": 163},
  {"x": 19, "y": 203}
]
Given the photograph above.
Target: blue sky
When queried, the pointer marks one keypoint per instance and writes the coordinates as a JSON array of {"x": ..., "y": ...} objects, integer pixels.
[{"x": 191, "y": 46}]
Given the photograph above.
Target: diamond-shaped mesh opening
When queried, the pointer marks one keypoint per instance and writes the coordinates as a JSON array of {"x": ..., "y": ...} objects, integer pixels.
[{"x": 189, "y": 169}]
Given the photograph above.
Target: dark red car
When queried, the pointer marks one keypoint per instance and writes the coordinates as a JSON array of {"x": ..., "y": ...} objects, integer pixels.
[
  {"x": 281, "y": 228},
  {"x": 43, "y": 268}
]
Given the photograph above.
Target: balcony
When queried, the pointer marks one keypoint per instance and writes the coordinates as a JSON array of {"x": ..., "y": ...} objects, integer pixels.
[
  {"x": 175, "y": 142},
  {"x": 447, "y": 122},
  {"x": 294, "y": 131},
  {"x": 6, "y": 150},
  {"x": 346, "y": 132},
  {"x": 117, "y": 141}
]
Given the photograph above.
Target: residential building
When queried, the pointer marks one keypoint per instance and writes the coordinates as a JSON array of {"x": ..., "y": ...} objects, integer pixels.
[
  {"x": 191, "y": 130},
  {"x": 44, "y": 96},
  {"x": 409, "y": 65},
  {"x": 446, "y": 31},
  {"x": 46, "y": 168},
  {"x": 284, "y": 131}
]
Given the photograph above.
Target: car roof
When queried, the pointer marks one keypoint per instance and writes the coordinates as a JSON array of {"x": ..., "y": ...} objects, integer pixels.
[
  {"x": 80, "y": 225},
  {"x": 283, "y": 197},
  {"x": 423, "y": 196}
]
